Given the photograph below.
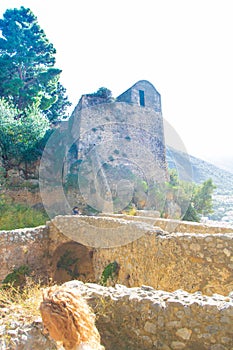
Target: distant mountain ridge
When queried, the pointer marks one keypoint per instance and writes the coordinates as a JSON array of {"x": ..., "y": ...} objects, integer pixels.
[
  {"x": 199, "y": 170},
  {"x": 225, "y": 162}
]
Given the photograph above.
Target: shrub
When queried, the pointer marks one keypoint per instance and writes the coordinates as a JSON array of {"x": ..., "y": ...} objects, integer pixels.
[
  {"x": 110, "y": 273},
  {"x": 69, "y": 264},
  {"x": 17, "y": 277},
  {"x": 13, "y": 216}
]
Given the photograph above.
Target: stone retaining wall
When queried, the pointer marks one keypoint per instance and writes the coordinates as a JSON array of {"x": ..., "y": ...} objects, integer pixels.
[
  {"x": 28, "y": 246},
  {"x": 145, "y": 254},
  {"x": 144, "y": 318},
  {"x": 148, "y": 255},
  {"x": 171, "y": 225},
  {"x": 141, "y": 319},
  {"x": 176, "y": 261}
]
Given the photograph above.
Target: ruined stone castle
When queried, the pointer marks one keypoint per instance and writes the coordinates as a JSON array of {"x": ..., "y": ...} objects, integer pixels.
[
  {"x": 120, "y": 139},
  {"x": 141, "y": 121}
]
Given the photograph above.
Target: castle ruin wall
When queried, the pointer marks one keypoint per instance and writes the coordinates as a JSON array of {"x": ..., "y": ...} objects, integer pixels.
[{"x": 144, "y": 253}]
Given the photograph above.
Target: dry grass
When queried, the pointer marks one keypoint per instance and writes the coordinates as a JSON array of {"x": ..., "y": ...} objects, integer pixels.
[{"x": 20, "y": 304}]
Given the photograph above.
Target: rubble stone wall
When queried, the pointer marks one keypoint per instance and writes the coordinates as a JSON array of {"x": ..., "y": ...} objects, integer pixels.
[
  {"x": 176, "y": 261},
  {"x": 144, "y": 318},
  {"x": 28, "y": 246},
  {"x": 144, "y": 254}
]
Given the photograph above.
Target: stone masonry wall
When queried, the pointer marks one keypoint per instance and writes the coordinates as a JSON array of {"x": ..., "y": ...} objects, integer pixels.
[
  {"x": 123, "y": 128},
  {"x": 170, "y": 225},
  {"x": 28, "y": 246},
  {"x": 177, "y": 261},
  {"x": 23, "y": 196},
  {"x": 145, "y": 254},
  {"x": 151, "y": 95},
  {"x": 144, "y": 318},
  {"x": 151, "y": 256},
  {"x": 141, "y": 319}
]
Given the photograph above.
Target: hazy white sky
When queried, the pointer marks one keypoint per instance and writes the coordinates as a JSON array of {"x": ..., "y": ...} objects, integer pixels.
[{"x": 183, "y": 47}]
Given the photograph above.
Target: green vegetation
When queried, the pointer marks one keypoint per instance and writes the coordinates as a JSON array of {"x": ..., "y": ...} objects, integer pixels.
[
  {"x": 110, "y": 272},
  {"x": 194, "y": 200},
  {"x": 13, "y": 216},
  {"x": 20, "y": 138},
  {"x": 66, "y": 262},
  {"x": 28, "y": 77},
  {"x": 191, "y": 214},
  {"x": 31, "y": 96},
  {"x": 17, "y": 277},
  {"x": 104, "y": 93},
  {"x": 202, "y": 199}
]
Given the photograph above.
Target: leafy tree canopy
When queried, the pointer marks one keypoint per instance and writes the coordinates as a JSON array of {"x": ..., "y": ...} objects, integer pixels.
[
  {"x": 194, "y": 200},
  {"x": 20, "y": 137},
  {"x": 27, "y": 59},
  {"x": 58, "y": 108},
  {"x": 104, "y": 93},
  {"x": 202, "y": 199}
]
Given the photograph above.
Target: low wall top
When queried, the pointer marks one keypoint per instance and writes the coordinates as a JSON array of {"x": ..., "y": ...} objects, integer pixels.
[{"x": 102, "y": 232}]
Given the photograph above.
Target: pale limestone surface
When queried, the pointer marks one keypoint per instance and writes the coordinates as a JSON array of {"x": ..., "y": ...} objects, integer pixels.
[{"x": 25, "y": 246}]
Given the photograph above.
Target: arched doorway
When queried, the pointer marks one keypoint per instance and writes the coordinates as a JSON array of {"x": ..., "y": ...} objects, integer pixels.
[{"x": 71, "y": 261}]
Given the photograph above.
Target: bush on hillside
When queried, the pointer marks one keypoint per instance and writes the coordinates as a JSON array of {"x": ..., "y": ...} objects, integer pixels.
[{"x": 13, "y": 216}]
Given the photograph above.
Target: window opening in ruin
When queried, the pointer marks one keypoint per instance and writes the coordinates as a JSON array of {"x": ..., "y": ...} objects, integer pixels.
[{"x": 141, "y": 98}]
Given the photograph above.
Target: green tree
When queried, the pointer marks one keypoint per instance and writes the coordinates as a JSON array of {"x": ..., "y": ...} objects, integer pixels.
[
  {"x": 202, "y": 200},
  {"x": 194, "y": 200},
  {"x": 20, "y": 137},
  {"x": 57, "y": 111},
  {"x": 174, "y": 179},
  {"x": 191, "y": 214},
  {"x": 104, "y": 93},
  {"x": 27, "y": 59}
]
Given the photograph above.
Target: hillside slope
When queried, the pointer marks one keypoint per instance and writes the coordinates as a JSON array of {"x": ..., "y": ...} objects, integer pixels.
[
  {"x": 194, "y": 169},
  {"x": 200, "y": 170}
]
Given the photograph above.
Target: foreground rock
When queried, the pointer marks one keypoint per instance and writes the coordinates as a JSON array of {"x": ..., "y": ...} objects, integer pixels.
[
  {"x": 142, "y": 319},
  {"x": 17, "y": 335}
]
